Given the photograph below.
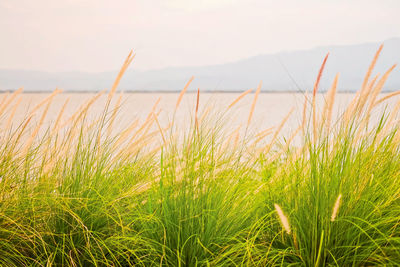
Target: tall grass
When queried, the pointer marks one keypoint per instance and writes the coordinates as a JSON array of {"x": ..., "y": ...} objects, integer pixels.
[{"x": 76, "y": 192}]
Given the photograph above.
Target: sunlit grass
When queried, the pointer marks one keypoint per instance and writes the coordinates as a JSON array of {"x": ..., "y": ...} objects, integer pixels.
[{"x": 76, "y": 192}]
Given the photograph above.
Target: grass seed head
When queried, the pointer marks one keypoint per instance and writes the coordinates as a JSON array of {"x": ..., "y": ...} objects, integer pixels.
[
  {"x": 336, "y": 208},
  {"x": 282, "y": 217}
]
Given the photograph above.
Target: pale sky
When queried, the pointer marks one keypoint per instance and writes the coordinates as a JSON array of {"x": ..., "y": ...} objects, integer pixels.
[{"x": 96, "y": 35}]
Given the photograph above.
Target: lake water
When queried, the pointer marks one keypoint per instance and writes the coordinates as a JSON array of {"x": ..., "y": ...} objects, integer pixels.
[{"x": 271, "y": 108}]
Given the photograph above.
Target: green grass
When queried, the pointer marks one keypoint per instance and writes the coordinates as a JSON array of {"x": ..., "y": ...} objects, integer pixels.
[{"x": 79, "y": 194}]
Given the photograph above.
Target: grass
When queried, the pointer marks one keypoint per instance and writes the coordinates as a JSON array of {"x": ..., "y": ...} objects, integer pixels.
[{"x": 76, "y": 192}]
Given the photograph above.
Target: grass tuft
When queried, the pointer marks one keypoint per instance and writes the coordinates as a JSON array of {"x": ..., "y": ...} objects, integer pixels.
[{"x": 78, "y": 192}]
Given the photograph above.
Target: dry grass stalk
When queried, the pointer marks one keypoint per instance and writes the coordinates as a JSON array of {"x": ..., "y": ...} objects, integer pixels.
[
  {"x": 124, "y": 67},
  {"x": 284, "y": 220},
  {"x": 55, "y": 127},
  {"x": 386, "y": 98},
  {"x": 315, "y": 90},
  {"x": 350, "y": 108},
  {"x": 371, "y": 68},
  {"x": 14, "y": 109},
  {"x": 124, "y": 134},
  {"x": 5, "y": 97},
  {"x": 239, "y": 98},
  {"x": 6, "y": 102},
  {"x": 390, "y": 123},
  {"x": 144, "y": 128},
  {"x": 44, "y": 101},
  {"x": 335, "y": 210},
  {"x": 153, "y": 109},
  {"x": 330, "y": 102},
  {"x": 253, "y": 105},
  {"x": 139, "y": 144},
  {"x": 393, "y": 114},
  {"x": 356, "y": 106},
  {"x": 364, "y": 97},
  {"x": 237, "y": 135},
  {"x": 114, "y": 114},
  {"x": 183, "y": 92},
  {"x": 366, "y": 87},
  {"x": 261, "y": 135},
  {"x": 36, "y": 131},
  {"x": 378, "y": 89},
  {"x": 23, "y": 128},
  {"x": 81, "y": 111}
]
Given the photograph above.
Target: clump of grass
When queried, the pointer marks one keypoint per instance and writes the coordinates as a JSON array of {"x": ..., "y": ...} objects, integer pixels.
[{"x": 77, "y": 192}]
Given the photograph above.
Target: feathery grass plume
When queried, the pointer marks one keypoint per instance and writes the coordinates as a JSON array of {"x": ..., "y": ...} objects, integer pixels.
[
  {"x": 315, "y": 89},
  {"x": 82, "y": 110},
  {"x": 356, "y": 106},
  {"x": 3, "y": 101},
  {"x": 261, "y": 135},
  {"x": 374, "y": 92},
  {"x": 381, "y": 100},
  {"x": 14, "y": 109},
  {"x": 44, "y": 101},
  {"x": 121, "y": 73},
  {"x": 253, "y": 105},
  {"x": 335, "y": 209},
  {"x": 237, "y": 135},
  {"x": 371, "y": 68},
  {"x": 144, "y": 128},
  {"x": 36, "y": 131},
  {"x": 365, "y": 90},
  {"x": 125, "y": 134},
  {"x": 330, "y": 100},
  {"x": 282, "y": 217},
  {"x": 132, "y": 205},
  {"x": 364, "y": 97},
  {"x": 21, "y": 131},
  {"x": 6, "y": 102},
  {"x": 239, "y": 98},
  {"x": 378, "y": 89},
  {"x": 60, "y": 114},
  {"x": 390, "y": 122},
  {"x": 183, "y": 92},
  {"x": 117, "y": 80},
  {"x": 349, "y": 111},
  {"x": 114, "y": 114}
]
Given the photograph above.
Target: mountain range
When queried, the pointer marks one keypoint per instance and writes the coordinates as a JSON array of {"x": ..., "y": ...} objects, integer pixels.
[{"x": 283, "y": 71}]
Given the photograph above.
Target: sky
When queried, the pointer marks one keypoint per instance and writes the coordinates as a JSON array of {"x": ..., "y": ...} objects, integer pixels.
[{"x": 96, "y": 35}]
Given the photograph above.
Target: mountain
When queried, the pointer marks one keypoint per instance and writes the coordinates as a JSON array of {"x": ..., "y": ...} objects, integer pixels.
[{"x": 284, "y": 71}]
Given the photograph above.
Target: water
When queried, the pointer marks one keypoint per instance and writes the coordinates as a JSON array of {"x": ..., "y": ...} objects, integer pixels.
[{"x": 271, "y": 108}]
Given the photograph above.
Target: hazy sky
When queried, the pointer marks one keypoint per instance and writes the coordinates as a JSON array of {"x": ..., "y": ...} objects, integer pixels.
[{"x": 96, "y": 35}]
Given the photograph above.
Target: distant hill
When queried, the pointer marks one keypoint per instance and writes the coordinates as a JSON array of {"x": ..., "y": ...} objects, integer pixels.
[{"x": 284, "y": 71}]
